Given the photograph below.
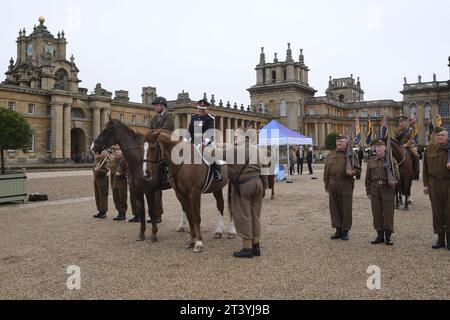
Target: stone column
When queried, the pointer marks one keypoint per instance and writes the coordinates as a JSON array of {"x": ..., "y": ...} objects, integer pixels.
[
  {"x": 221, "y": 129},
  {"x": 103, "y": 118},
  {"x": 57, "y": 132},
  {"x": 177, "y": 121},
  {"x": 95, "y": 123},
  {"x": 421, "y": 123},
  {"x": 67, "y": 133},
  {"x": 236, "y": 124},
  {"x": 322, "y": 134},
  {"x": 189, "y": 117},
  {"x": 228, "y": 138},
  {"x": 316, "y": 133}
]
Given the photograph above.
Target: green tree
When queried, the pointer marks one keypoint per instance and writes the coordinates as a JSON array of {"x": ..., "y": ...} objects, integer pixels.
[
  {"x": 330, "y": 141},
  {"x": 15, "y": 133}
]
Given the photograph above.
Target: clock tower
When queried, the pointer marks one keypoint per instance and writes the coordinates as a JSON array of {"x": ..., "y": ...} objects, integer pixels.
[{"x": 41, "y": 62}]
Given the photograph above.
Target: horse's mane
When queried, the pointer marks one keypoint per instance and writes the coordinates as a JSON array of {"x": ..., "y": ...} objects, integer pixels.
[{"x": 135, "y": 135}]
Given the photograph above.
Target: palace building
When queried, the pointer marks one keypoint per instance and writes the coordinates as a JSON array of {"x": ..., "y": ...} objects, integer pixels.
[
  {"x": 282, "y": 90},
  {"x": 65, "y": 118}
]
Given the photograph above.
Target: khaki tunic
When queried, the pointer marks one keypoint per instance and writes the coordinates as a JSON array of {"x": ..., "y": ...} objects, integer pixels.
[
  {"x": 381, "y": 194},
  {"x": 340, "y": 188},
  {"x": 119, "y": 185},
  {"x": 246, "y": 195},
  {"x": 407, "y": 139},
  {"x": 436, "y": 177},
  {"x": 167, "y": 122},
  {"x": 101, "y": 187}
]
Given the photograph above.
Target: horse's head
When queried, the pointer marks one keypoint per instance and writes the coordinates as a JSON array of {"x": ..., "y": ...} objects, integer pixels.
[
  {"x": 152, "y": 154},
  {"x": 398, "y": 151},
  {"x": 107, "y": 137}
]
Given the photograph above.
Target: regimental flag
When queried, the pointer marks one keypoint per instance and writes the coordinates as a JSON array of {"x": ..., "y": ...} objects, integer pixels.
[
  {"x": 369, "y": 132},
  {"x": 430, "y": 131},
  {"x": 357, "y": 132},
  {"x": 384, "y": 128},
  {"x": 415, "y": 128},
  {"x": 438, "y": 121}
]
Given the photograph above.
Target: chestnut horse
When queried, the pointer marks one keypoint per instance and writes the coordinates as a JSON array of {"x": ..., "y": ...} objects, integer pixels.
[
  {"x": 405, "y": 164},
  {"x": 186, "y": 178}
]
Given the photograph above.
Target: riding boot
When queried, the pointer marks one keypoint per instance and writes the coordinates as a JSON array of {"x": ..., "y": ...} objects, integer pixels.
[
  {"x": 337, "y": 235},
  {"x": 379, "y": 239},
  {"x": 344, "y": 236},
  {"x": 440, "y": 242},
  {"x": 388, "y": 238},
  {"x": 216, "y": 171}
]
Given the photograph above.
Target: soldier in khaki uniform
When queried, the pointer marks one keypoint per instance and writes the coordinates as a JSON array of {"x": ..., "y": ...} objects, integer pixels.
[
  {"x": 405, "y": 136},
  {"x": 119, "y": 183},
  {"x": 381, "y": 193},
  {"x": 339, "y": 184},
  {"x": 101, "y": 187},
  {"x": 246, "y": 195},
  {"x": 436, "y": 181}
]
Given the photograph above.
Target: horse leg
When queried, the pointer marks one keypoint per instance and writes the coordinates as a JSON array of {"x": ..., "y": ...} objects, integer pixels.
[
  {"x": 220, "y": 207},
  {"x": 151, "y": 210},
  {"x": 273, "y": 192},
  {"x": 196, "y": 219},
  {"x": 140, "y": 210},
  {"x": 186, "y": 205},
  {"x": 231, "y": 229},
  {"x": 397, "y": 200},
  {"x": 183, "y": 222}
]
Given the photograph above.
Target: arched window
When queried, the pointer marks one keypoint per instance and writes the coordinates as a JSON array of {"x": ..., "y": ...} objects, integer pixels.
[
  {"x": 78, "y": 113},
  {"x": 444, "y": 110},
  {"x": 427, "y": 111},
  {"x": 274, "y": 76},
  {"x": 283, "y": 109},
  {"x": 413, "y": 112}
]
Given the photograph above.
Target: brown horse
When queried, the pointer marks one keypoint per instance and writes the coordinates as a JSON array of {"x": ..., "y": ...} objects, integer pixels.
[
  {"x": 187, "y": 179},
  {"x": 131, "y": 144},
  {"x": 405, "y": 163}
]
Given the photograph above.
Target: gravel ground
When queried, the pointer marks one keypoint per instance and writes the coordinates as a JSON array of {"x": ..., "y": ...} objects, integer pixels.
[{"x": 39, "y": 241}]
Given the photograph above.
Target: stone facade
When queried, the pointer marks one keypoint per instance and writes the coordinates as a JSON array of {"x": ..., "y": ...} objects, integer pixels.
[
  {"x": 282, "y": 91},
  {"x": 43, "y": 85}
]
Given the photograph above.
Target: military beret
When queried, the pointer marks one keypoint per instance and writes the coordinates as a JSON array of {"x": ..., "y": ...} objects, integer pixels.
[
  {"x": 203, "y": 104},
  {"x": 340, "y": 137},
  {"x": 440, "y": 129},
  {"x": 403, "y": 118},
  {"x": 378, "y": 142}
]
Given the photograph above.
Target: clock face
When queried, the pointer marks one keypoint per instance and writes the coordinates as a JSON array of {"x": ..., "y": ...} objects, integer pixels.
[{"x": 30, "y": 50}]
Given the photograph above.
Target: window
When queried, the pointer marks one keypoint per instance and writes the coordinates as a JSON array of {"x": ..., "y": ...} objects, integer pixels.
[
  {"x": 122, "y": 117},
  {"x": 427, "y": 111},
  {"x": 133, "y": 119},
  {"x": 78, "y": 113},
  {"x": 364, "y": 114},
  {"x": 274, "y": 76},
  {"x": 145, "y": 120},
  {"x": 444, "y": 110},
  {"x": 377, "y": 114},
  {"x": 351, "y": 115},
  {"x": 312, "y": 111},
  {"x": 413, "y": 112},
  {"x": 31, "y": 108},
  {"x": 447, "y": 126},
  {"x": 48, "y": 142},
  {"x": 12, "y": 105},
  {"x": 32, "y": 142},
  {"x": 49, "y": 110},
  {"x": 283, "y": 109}
]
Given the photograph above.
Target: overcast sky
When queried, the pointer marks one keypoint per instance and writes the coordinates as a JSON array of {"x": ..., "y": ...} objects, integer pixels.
[{"x": 214, "y": 46}]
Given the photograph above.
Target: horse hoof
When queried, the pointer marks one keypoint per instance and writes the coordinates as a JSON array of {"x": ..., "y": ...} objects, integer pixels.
[
  {"x": 198, "y": 247},
  {"x": 405, "y": 209},
  {"x": 272, "y": 198},
  {"x": 154, "y": 239},
  {"x": 218, "y": 236},
  {"x": 180, "y": 229},
  {"x": 141, "y": 238},
  {"x": 189, "y": 246},
  {"x": 232, "y": 236}
]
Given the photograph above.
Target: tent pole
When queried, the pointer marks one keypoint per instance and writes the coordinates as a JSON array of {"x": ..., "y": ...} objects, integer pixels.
[{"x": 288, "y": 179}]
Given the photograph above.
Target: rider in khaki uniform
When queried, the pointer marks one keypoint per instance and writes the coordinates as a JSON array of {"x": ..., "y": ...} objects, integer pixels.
[
  {"x": 101, "y": 187},
  {"x": 339, "y": 184},
  {"x": 405, "y": 136},
  {"x": 436, "y": 180},
  {"x": 246, "y": 195},
  {"x": 119, "y": 183},
  {"x": 381, "y": 193}
]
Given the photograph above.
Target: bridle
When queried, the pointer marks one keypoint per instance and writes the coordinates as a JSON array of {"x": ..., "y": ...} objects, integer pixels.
[{"x": 404, "y": 153}]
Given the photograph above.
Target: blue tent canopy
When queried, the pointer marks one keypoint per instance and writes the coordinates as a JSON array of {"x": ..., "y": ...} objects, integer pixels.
[{"x": 276, "y": 134}]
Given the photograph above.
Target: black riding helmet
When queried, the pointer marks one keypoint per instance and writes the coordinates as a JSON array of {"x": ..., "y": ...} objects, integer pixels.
[{"x": 160, "y": 100}]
